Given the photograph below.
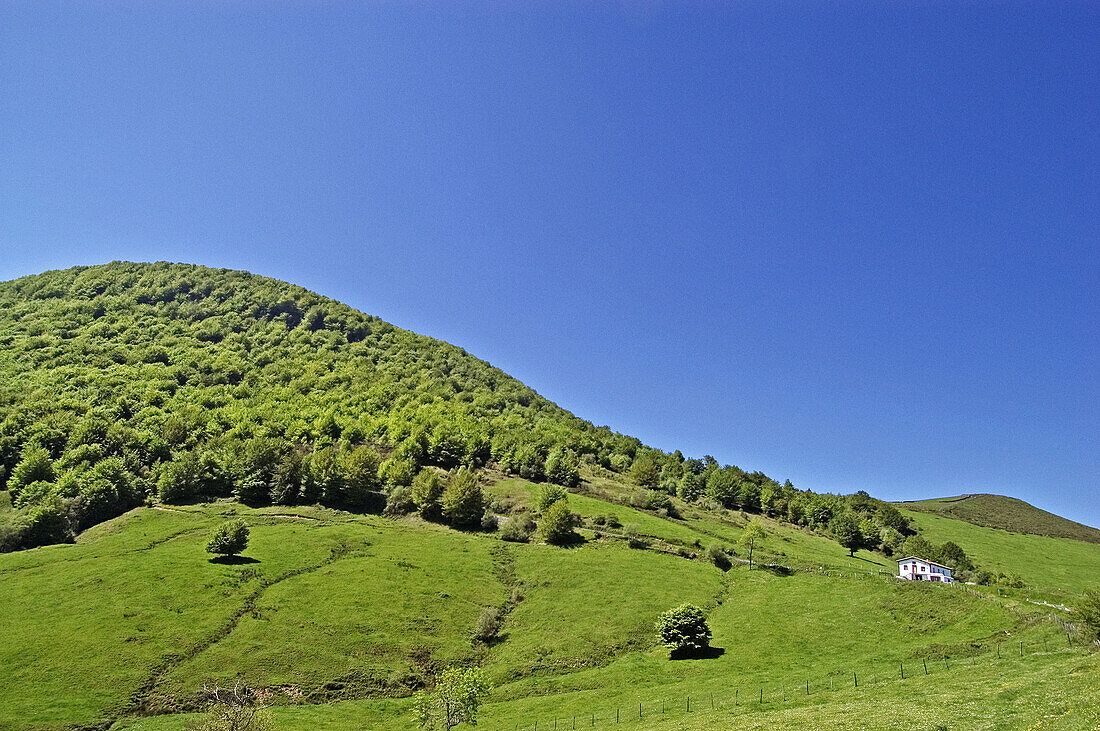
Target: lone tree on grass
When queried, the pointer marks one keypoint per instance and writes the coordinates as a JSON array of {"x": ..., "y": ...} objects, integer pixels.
[
  {"x": 557, "y": 523},
  {"x": 229, "y": 538},
  {"x": 845, "y": 529},
  {"x": 752, "y": 535},
  {"x": 684, "y": 629},
  {"x": 455, "y": 698}
]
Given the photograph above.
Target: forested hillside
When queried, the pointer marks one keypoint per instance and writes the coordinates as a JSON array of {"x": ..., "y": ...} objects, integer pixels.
[{"x": 127, "y": 383}]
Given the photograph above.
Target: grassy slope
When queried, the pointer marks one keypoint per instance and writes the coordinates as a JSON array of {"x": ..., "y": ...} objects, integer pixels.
[
  {"x": 1006, "y": 513},
  {"x": 1050, "y": 564},
  {"x": 378, "y": 603},
  {"x": 778, "y": 634}
]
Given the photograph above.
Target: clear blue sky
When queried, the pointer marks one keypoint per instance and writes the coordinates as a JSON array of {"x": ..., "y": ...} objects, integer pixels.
[{"x": 850, "y": 244}]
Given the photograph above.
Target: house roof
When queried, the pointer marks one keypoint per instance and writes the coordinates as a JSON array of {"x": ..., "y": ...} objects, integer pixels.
[{"x": 933, "y": 563}]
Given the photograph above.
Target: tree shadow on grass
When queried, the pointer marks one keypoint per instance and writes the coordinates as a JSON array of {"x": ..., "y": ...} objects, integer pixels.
[
  {"x": 234, "y": 560},
  {"x": 706, "y": 653}
]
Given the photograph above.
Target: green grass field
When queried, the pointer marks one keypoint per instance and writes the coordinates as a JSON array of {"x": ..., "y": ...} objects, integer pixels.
[
  {"x": 1006, "y": 513},
  {"x": 1055, "y": 565},
  {"x": 343, "y": 616}
]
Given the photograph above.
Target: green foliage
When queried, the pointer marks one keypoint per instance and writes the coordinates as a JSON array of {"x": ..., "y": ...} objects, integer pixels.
[
  {"x": 556, "y": 526},
  {"x": 845, "y": 529},
  {"x": 562, "y": 467},
  {"x": 1088, "y": 609},
  {"x": 683, "y": 629},
  {"x": 361, "y": 482},
  {"x": 719, "y": 557},
  {"x": 517, "y": 528},
  {"x": 751, "y": 537},
  {"x": 455, "y": 699},
  {"x": 548, "y": 495},
  {"x": 399, "y": 501},
  {"x": 427, "y": 489},
  {"x": 463, "y": 503},
  {"x": 35, "y": 465},
  {"x": 228, "y": 539},
  {"x": 489, "y": 624},
  {"x": 645, "y": 472}
]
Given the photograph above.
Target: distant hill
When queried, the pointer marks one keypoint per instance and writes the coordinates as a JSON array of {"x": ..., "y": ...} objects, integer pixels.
[{"x": 1007, "y": 513}]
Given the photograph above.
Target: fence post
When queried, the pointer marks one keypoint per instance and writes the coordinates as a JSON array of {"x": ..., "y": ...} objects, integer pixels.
[
  {"x": 855, "y": 679},
  {"x": 902, "y": 666},
  {"x": 807, "y": 687},
  {"x": 1021, "y": 648},
  {"x": 761, "y": 695},
  {"x": 925, "y": 661},
  {"x": 689, "y": 704},
  {"x": 998, "y": 650},
  {"x": 639, "y": 710},
  {"x": 616, "y": 715}
]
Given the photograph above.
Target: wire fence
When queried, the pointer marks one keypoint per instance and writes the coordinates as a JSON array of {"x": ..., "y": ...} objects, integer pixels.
[{"x": 773, "y": 695}]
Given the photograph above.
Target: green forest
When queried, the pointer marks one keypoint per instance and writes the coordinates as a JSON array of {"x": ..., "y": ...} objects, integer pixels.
[{"x": 125, "y": 384}]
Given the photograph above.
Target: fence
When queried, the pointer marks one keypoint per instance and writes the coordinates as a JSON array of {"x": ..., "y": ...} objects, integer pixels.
[{"x": 761, "y": 696}]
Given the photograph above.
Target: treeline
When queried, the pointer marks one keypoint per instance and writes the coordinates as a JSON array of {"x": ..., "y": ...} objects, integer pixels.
[{"x": 855, "y": 521}]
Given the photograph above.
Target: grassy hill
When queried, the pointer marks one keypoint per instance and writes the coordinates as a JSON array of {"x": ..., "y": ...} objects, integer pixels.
[
  {"x": 141, "y": 405},
  {"x": 1006, "y": 513},
  {"x": 344, "y": 615}
]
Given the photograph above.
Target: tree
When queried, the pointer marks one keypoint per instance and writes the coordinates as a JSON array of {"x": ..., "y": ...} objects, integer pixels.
[
  {"x": 845, "y": 529},
  {"x": 463, "y": 503},
  {"x": 645, "y": 472},
  {"x": 752, "y": 535},
  {"x": 719, "y": 557},
  {"x": 360, "y": 470},
  {"x": 561, "y": 467},
  {"x": 229, "y": 538},
  {"x": 952, "y": 554},
  {"x": 1089, "y": 611},
  {"x": 683, "y": 629},
  {"x": 548, "y": 495},
  {"x": 557, "y": 524},
  {"x": 455, "y": 699},
  {"x": 427, "y": 489}
]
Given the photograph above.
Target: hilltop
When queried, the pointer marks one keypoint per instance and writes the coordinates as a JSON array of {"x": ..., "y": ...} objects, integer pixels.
[{"x": 1006, "y": 513}]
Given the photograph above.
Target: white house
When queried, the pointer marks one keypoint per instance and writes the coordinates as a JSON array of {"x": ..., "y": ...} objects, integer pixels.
[{"x": 918, "y": 569}]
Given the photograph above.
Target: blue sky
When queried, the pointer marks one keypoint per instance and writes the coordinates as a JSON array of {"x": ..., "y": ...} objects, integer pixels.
[{"x": 850, "y": 244}]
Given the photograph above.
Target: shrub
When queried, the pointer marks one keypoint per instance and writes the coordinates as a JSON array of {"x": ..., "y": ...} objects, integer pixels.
[
  {"x": 548, "y": 495},
  {"x": 229, "y": 538},
  {"x": 634, "y": 538},
  {"x": 557, "y": 524},
  {"x": 488, "y": 625},
  {"x": 463, "y": 502},
  {"x": 718, "y": 556},
  {"x": 517, "y": 528},
  {"x": 1089, "y": 609},
  {"x": 399, "y": 501},
  {"x": 683, "y": 629},
  {"x": 488, "y": 521},
  {"x": 645, "y": 472}
]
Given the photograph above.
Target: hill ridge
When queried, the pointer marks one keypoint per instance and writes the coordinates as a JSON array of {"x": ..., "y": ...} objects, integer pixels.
[{"x": 1005, "y": 512}]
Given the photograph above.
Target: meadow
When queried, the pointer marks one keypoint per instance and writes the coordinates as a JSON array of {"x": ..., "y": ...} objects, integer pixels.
[{"x": 344, "y": 616}]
